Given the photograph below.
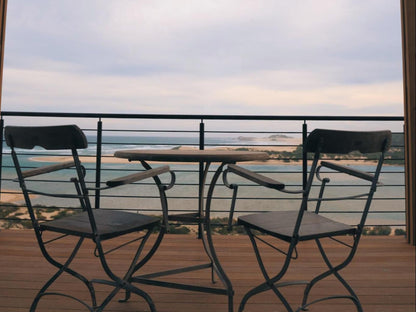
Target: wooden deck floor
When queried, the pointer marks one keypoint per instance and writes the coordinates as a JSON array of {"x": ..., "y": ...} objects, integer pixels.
[{"x": 383, "y": 275}]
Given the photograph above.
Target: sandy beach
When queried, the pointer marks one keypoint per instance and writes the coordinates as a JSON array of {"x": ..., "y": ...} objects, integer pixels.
[
  {"x": 10, "y": 196},
  {"x": 110, "y": 159}
]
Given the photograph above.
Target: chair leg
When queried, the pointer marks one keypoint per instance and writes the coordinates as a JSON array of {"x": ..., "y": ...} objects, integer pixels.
[
  {"x": 145, "y": 259},
  {"x": 270, "y": 283},
  {"x": 125, "y": 282},
  {"x": 120, "y": 284},
  {"x": 63, "y": 268},
  {"x": 333, "y": 270}
]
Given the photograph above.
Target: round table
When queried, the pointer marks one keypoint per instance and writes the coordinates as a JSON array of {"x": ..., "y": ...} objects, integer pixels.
[
  {"x": 202, "y": 217},
  {"x": 206, "y": 156}
]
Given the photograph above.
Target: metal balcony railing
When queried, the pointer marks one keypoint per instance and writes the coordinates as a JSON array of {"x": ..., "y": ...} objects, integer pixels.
[{"x": 280, "y": 136}]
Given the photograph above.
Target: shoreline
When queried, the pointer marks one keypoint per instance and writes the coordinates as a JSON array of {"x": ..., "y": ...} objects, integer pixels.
[
  {"x": 110, "y": 159},
  {"x": 11, "y": 196}
]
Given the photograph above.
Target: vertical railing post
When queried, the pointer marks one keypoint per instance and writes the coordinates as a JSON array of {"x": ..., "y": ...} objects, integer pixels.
[
  {"x": 201, "y": 176},
  {"x": 304, "y": 156},
  {"x": 98, "y": 162},
  {"x": 201, "y": 135}
]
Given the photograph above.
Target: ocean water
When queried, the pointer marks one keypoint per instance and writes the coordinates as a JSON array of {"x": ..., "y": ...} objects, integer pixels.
[{"x": 387, "y": 207}]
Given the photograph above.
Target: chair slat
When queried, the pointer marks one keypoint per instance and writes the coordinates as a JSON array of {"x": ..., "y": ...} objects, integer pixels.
[
  {"x": 256, "y": 177},
  {"x": 348, "y": 170},
  {"x": 47, "y": 169},
  {"x": 137, "y": 176}
]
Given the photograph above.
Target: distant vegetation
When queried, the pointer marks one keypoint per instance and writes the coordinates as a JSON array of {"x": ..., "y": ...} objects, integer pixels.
[
  {"x": 399, "y": 232},
  {"x": 377, "y": 230},
  {"x": 16, "y": 216},
  {"x": 395, "y": 156}
]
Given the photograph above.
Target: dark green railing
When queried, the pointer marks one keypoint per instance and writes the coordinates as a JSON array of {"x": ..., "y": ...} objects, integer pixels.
[{"x": 199, "y": 131}]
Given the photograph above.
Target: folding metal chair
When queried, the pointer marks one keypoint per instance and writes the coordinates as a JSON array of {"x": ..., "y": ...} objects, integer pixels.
[
  {"x": 295, "y": 226},
  {"x": 97, "y": 225}
]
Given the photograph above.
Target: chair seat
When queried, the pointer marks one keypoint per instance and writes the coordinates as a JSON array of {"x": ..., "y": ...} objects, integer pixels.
[
  {"x": 110, "y": 223},
  {"x": 281, "y": 224}
]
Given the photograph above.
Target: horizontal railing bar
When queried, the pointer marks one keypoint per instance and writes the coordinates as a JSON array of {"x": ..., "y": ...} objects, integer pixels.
[
  {"x": 216, "y": 223},
  {"x": 216, "y": 210},
  {"x": 206, "y": 131},
  {"x": 147, "y": 130},
  {"x": 207, "y": 184},
  {"x": 202, "y": 117}
]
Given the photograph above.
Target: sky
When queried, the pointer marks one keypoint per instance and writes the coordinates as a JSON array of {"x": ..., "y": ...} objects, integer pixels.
[{"x": 238, "y": 57}]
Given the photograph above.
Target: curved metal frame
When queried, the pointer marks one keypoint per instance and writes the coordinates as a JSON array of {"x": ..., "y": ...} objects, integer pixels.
[
  {"x": 272, "y": 282},
  {"x": 208, "y": 244},
  {"x": 118, "y": 283},
  {"x": 61, "y": 269}
]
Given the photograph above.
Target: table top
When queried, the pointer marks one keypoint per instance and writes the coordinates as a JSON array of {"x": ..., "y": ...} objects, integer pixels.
[{"x": 191, "y": 155}]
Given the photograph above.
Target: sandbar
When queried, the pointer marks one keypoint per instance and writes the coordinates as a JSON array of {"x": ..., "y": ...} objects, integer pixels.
[{"x": 110, "y": 159}]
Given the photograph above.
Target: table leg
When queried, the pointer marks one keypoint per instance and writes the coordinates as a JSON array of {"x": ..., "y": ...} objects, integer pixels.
[
  {"x": 205, "y": 234},
  {"x": 203, "y": 172},
  {"x": 209, "y": 244}
]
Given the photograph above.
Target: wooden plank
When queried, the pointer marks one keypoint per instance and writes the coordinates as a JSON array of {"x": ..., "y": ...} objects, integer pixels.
[{"x": 382, "y": 274}]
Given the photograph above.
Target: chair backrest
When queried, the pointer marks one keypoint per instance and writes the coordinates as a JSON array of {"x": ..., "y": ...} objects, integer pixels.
[
  {"x": 63, "y": 137},
  {"x": 48, "y": 137},
  {"x": 344, "y": 142},
  {"x": 323, "y": 141}
]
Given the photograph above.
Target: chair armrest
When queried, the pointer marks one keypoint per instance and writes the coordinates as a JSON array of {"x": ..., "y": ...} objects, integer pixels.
[
  {"x": 137, "y": 176},
  {"x": 47, "y": 169},
  {"x": 354, "y": 172},
  {"x": 256, "y": 177}
]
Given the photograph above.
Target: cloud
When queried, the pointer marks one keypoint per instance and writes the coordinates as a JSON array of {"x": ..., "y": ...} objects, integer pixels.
[
  {"x": 231, "y": 57},
  {"x": 327, "y": 100},
  {"x": 291, "y": 93}
]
